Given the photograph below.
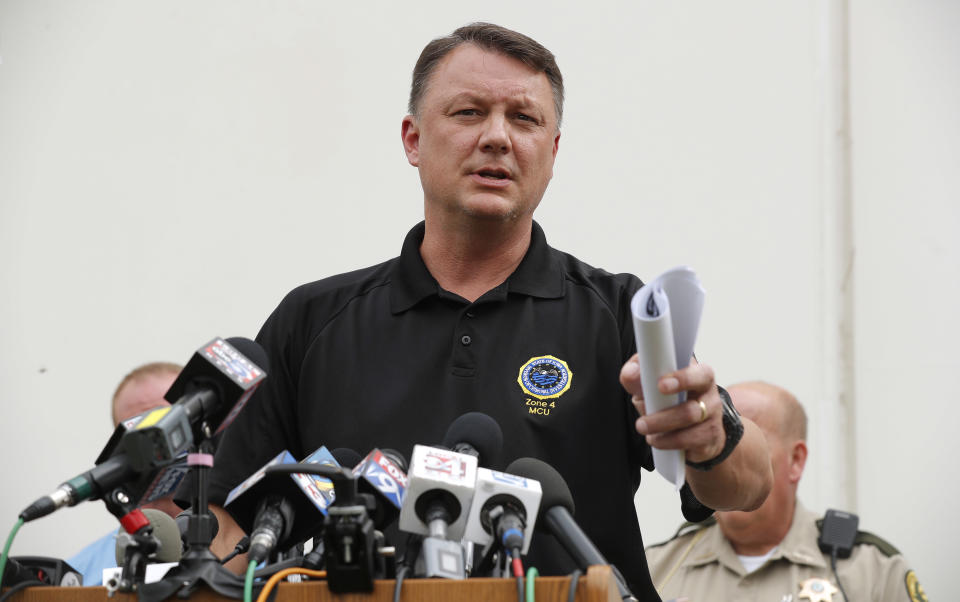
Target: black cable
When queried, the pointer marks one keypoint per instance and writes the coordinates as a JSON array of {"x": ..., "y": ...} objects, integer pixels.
[
  {"x": 833, "y": 565},
  {"x": 401, "y": 573},
  {"x": 574, "y": 581},
  {"x": 242, "y": 546},
  {"x": 18, "y": 587},
  {"x": 520, "y": 589}
]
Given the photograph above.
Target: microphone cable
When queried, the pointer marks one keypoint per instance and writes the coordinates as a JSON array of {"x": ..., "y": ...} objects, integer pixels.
[
  {"x": 517, "y": 566},
  {"x": 574, "y": 581},
  {"x": 401, "y": 574},
  {"x": 6, "y": 549},
  {"x": 833, "y": 565},
  {"x": 248, "y": 582},
  {"x": 532, "y": 574},
  {"x": 279, "y": 575},
  {"x": 242, "y": 546}
]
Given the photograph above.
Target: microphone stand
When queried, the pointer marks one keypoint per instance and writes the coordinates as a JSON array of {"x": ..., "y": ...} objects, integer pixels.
[{"x": 198, "y": 564}]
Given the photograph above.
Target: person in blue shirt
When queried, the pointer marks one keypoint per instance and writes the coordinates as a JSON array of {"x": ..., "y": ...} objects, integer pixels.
[{"x": 140, "y": 390}]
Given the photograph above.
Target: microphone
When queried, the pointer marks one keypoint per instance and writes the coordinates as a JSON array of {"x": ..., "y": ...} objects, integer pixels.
[
  {"x": 440, "y": 489},
  {"x": 503, "y": 511},
  {"x": 217, "y": 376},
  {"x": 557, "y": 518},
  {"x": 346, "y": 457},
  {"x": 478, "y": 435},
  {"x": 166, "y": 532},
  {"x": 281, "y": 509},
  {"x": 382, "y": 473},
  {"x": 206, "y": 396}
]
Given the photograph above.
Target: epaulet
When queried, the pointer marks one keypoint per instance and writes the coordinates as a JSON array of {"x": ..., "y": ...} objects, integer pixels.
[
  {"x": 866, "y": 538},
  {"x": 688, "y": 528}
]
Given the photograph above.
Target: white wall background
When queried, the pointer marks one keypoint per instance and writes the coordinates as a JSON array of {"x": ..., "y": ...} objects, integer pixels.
[{"x": 168, "y": 170}]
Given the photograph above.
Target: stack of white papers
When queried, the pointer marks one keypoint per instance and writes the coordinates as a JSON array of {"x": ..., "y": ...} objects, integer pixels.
[{"x": 666, "y": 316}]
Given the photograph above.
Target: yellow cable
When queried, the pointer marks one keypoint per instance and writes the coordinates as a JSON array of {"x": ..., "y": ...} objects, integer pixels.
[{"x": 272, "y": 582}]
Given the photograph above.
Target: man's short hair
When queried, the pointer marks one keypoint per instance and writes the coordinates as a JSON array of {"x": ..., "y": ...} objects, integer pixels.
[
  {"x": 138, "y": 373},
  {"x": 489, "y": 37}
]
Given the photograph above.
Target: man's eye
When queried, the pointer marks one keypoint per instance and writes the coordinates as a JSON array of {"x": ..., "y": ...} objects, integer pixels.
[
  {"x": 525, "y": 117},
  {"x": 467, "y": 112}
]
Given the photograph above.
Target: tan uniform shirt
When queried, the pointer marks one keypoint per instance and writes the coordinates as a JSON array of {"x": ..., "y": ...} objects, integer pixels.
[{"x": 701, "y": 565}]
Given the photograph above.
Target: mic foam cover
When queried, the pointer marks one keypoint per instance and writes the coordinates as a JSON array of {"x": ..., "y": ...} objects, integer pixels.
[
  {"x": 555, "y": 490},
  {"x": 480, "y": 431},
  {"x": 252, "y": 351},
  {"x": 346, "y": 457},
  {"x": 165, "y": 530}
]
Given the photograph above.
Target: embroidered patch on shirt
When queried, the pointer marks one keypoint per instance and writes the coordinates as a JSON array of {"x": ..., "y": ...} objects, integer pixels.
[
  {"x": 545, "y": 377},
  {"x": 914, "y": 589}
]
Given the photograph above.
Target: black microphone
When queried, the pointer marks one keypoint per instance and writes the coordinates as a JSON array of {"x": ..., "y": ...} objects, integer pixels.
[
  {"x": 282, "y": 508},
  {"x": 477, "y": 435},
  {"x": 217, "y": 380},
  {"x": 556, "y": 517},
  {"x": 346, "y": 457}
]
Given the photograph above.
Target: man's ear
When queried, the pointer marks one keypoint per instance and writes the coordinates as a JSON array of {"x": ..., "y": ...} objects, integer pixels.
[
  {"x": 798, "y": 459},
  {"x": 410, "y": 135}
]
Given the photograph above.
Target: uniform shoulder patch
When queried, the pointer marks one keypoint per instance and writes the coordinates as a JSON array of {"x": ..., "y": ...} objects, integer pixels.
[{"x": 914, "y": 589}]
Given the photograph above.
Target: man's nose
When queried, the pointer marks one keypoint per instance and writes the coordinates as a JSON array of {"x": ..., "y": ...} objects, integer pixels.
[{"x": 495, "y": 137}]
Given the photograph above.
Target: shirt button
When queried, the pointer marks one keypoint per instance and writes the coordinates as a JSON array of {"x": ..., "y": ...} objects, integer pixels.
[{"x": 465, "y": 339}]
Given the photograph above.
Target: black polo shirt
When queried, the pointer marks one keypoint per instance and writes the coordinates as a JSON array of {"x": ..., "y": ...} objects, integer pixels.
[{"x": 383, "y": 357}]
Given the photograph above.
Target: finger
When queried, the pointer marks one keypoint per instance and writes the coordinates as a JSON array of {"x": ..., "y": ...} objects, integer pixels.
[
  {"x": 695, "y": 377},
  {"x": 639, "y": 404},
  {"x": 680, "y": 416},
  {"x": 630, "y": 376},
  {"x": 700, "y": 442}
]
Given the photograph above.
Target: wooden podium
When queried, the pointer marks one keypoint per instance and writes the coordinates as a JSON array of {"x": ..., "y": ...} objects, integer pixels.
[{"x": 597, "y": 585}]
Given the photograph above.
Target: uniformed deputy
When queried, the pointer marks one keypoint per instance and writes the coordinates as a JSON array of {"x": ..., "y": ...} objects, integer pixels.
[{"x": 772, "y": 553}]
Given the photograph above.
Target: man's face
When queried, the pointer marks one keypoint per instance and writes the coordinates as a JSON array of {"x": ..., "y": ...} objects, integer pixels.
[
  {"x": 786, "y": 473},
  {"x": 142, "y": 394},
  {"x": 486, "y": 136}
]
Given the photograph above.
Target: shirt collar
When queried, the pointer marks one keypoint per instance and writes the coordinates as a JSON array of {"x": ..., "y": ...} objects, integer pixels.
[
  {"x": 799, "y": 546},
  {"x": 538, "y": 275}
]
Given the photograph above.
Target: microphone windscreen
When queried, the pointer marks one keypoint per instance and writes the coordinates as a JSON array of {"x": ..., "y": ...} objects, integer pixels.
[
  {"x": 555, "y": 490},
  {"x": 346, "y": 457},
  {"x": 480, "y": 431},
  {"x": 252, "y": 351},
  {"x": 167, "y": 533},
  {"x": 396, "y": 457}
]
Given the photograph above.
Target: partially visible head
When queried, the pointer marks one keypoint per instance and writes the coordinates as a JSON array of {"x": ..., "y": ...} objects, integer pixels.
[
  {"x": 784, "y": 424},
  {"x": 492, "y": 38},
  {"x": 143, "y": 389}
]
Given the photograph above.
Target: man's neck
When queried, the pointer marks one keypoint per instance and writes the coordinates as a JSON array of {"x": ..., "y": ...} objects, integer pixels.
[
  {"x": 761, "y": 536},
  {"x": 469, "y": 260}
]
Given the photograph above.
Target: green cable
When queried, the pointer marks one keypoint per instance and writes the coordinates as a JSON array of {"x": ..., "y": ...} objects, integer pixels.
[
  {"x": 532, "y": 574},
  {"x": 248, "y": 583},
  {"x": 6, "y": 548}
]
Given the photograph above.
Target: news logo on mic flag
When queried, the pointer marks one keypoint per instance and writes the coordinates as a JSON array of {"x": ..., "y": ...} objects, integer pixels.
[
  {"x": 384, "y": 475},
  {"x": 283, "y": 457},
  {"x": 439, "y": 473},
  {"x": 320, "y": 489}
]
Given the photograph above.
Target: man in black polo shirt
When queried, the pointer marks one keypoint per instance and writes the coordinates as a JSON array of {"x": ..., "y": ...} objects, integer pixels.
[{"x": 478, "y": 313}]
